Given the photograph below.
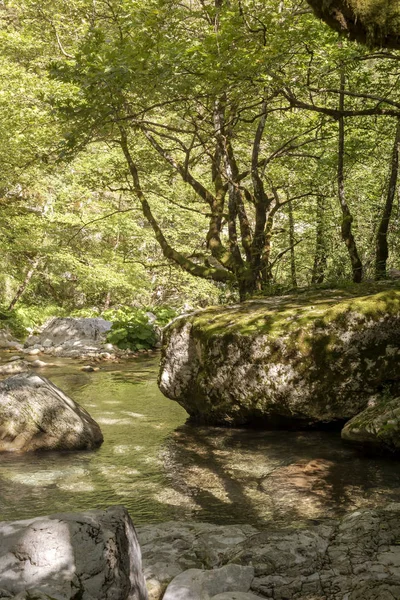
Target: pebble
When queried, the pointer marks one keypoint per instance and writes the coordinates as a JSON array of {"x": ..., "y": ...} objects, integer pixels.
[{"x": 38, "y": 364}]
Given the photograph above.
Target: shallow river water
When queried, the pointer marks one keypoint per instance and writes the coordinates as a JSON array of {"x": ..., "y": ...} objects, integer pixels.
[{"x": 163, "y": 469}]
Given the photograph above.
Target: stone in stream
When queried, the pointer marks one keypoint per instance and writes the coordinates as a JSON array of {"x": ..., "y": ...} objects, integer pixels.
[
  {"x": 377, "y": 427},
  {"x": 92, "y": 555},
  {"x": 16, "y": 366},
  {"x": 37, "y": 415},
  {"x": 68, "y": 336},
  {"x": 292, "y": 361}
]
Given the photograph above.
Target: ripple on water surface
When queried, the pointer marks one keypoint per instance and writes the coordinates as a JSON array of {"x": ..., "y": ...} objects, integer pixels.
[{"x": 162, "y": 469}]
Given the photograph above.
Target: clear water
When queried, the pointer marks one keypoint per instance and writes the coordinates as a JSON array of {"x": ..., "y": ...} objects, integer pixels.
[{"x": 163, "y": 469}]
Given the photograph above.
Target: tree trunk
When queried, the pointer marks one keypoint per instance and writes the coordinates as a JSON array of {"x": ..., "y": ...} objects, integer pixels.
[
  {"x": 347, "y": 218},
  {"x": 292, "y": 246},
  {"x": 25, "y": 283},
  {"x": 382, "y": 248},
  {"x": 319, "y": 266}
]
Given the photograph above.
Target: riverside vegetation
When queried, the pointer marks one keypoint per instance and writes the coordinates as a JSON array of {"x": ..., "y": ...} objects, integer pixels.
[{"x": 159, "y": 157}]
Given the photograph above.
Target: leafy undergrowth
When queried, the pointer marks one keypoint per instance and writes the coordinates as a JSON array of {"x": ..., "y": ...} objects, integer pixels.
[{"x": 136, "y": 329}]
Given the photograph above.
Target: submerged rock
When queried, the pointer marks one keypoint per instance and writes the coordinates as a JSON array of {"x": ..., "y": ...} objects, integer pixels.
[
  {"x": 376, "y": 427},
  {"x": 289, "y": 361},
  {"x": 37, "y": 415},
  {"x": 67, "y": 336},
  {"x": 92, "y": 555}
]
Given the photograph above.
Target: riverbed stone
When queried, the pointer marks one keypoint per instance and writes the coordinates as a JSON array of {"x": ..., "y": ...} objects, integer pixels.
[
  {"x": 91, "y": 555},
  {"x": 353, "y": 558},
  {"x": 16, "y": 366},
  {"x": 36, "y": 415},
  {"x": 294, "y": 361},
  {"x": 198, "y": 584},
  {"x": 377, "y": 427},
  {"x": 170, "y": 548}
]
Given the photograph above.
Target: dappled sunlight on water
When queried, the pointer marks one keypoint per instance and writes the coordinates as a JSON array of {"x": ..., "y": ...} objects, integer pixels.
[{"x": 163, "y": 469}]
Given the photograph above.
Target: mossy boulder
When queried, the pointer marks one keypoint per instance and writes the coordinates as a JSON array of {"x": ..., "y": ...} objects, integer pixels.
[
  {"x": 376, "y": 427},
  {"x": 37, "y": 415},
  {"x": 374, "y": 22},
  {"x": 295, "y": 360}
]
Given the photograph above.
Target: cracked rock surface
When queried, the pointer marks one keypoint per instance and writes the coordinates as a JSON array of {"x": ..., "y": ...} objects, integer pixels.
[
  {"x": 355, "y": 558},
  {"x": 93, "y": 555}
]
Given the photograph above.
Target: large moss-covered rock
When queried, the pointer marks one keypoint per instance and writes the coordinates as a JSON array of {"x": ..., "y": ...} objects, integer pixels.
[
  {"x": 377, "y": 427},
  {"x": 375, "y": 22},
  {"x": 296, "y": 360},
  {"x": 37, "y": 415}
]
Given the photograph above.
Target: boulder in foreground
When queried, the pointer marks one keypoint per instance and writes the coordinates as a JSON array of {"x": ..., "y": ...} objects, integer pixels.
[
  {"x": 291, "y": 361},
  {"x": 92, "y": 555},
  {"x": 37, "y": 415}
]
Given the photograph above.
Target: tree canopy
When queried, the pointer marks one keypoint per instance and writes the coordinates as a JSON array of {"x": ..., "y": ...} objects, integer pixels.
[{"x": 168, "y": 151}]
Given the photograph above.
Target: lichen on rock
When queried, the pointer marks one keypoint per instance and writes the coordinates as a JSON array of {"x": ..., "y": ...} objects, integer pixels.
[{"x": 294, "y": 360}]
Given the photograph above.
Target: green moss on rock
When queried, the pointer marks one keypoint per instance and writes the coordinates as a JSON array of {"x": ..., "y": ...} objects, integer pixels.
[
  {"x": 377, "y": 426},
  {"x": 308, "y": 358}
]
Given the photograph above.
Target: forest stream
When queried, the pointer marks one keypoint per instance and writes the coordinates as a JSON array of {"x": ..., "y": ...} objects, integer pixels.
[{"x": 162, "y": 469}]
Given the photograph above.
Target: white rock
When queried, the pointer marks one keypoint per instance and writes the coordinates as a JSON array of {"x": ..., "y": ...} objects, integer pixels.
[
  {"x": 33, "y": 352},
  {"x": 38, "y": 364},
  {"x": 196, "y": 584},
  {"x": 14, "y": 367},
  {"x": 108, "y": 347},
  {"x": 94, "y": 555}
]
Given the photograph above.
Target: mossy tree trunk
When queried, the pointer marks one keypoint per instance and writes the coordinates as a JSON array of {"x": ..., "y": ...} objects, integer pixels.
[
  {"x": 28, "y": 277},
  {"x": 347, "y": 217},
  {"x": 382, "y": 248},
  {"x": 320, "y": 258}
]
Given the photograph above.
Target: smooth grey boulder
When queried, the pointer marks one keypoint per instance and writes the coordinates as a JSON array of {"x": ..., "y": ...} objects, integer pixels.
[
  {"x": 36, "y": 415},
  {"x": 293, "y": 361},
  {"x": 377, "y": 427},
  {"x": 197, "y": 584},
  {"x": 68, "y": 336},
  {"x": 93, "y": 555}
]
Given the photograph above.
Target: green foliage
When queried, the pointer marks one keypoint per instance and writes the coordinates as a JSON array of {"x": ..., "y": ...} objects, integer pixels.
[
  {"x": 135, "y": 329},
  {"x": 131, "y": 330},
  {"x": 24, "y": 320}
]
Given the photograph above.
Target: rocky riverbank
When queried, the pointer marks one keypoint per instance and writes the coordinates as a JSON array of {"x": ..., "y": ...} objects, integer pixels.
[{"x": 354, "y": 558}]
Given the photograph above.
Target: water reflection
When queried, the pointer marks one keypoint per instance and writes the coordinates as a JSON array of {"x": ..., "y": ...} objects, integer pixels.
[{"x": 162, "y": 469}]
